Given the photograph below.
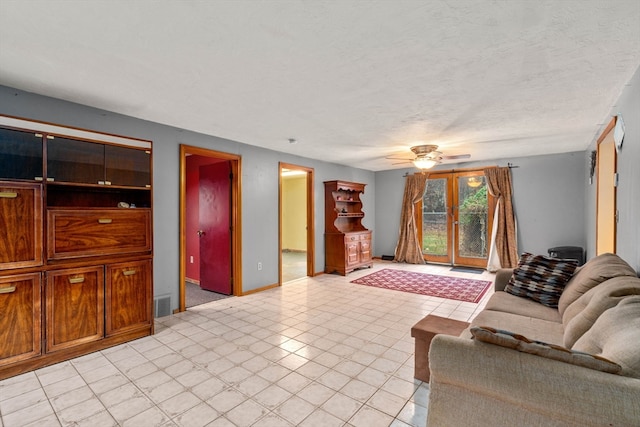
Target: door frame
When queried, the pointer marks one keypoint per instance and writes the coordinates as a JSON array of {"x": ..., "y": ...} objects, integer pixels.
[
  {"x": 310, "y": 218},
  {"x": 607, "y": 135},
  {"x": 452, "y": 222},
  {"x": 235, "y": 216}
]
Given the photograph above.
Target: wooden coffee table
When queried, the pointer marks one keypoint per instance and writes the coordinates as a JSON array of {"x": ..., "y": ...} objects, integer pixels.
[{"x": 423, "y": 332}]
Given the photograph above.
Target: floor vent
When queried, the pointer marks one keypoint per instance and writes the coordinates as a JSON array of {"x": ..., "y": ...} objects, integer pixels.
[{"x": 163, "y": 306}]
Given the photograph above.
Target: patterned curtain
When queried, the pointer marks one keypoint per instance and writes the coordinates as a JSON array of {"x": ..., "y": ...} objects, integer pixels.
[
  {"x": 409, "y": 249},
  {"x": 504, "y": 244}
]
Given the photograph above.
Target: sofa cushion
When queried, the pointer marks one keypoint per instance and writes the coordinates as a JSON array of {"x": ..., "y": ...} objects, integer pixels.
[
  {"x": 595, "y": 271},
  {"x": 584, "y": 312},
  {"x": 539, "y": 348},
  {"x": 615, "y": 335},
  {"x": 536, "y": 329},
  {"x": 541, "y": 278},
  {"x": 507, "y": 303}
]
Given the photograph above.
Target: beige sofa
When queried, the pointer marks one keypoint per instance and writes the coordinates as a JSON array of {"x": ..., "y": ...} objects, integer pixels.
[{"x": 477, "y": 383}]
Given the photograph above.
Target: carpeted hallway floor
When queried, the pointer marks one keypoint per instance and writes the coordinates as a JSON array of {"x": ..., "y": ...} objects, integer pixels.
[{"x": 198, "y": 296}]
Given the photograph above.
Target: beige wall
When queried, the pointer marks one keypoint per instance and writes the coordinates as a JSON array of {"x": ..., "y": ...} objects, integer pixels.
[{"x": 294, "y": 213}]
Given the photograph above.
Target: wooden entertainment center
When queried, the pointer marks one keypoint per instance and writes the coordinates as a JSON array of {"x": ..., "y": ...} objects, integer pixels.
[
  {"x": 75, "y": 242},
  {"x": 347, "y": 242}
]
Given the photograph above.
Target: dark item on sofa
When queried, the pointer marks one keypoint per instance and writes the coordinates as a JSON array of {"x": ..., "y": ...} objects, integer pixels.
[
  {"x": 541, "y": 278},
  {"x": 568, "y": 252}
]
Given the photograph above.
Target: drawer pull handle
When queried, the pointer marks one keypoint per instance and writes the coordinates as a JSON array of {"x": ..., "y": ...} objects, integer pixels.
[
  {"x": 8, "y": 195},
  {"x": 104, "y": 220},
  {"x": 129, "y": 272},
  {"x": 7, "y": 290},
  {"x": 74, "y": 280}
]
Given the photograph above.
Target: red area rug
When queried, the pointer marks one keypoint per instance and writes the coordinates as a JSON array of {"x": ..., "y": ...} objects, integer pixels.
[{"x": 457, "y": 288}]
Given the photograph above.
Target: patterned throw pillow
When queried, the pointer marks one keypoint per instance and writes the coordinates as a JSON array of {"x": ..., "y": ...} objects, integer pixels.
[
  {"x": 543, "y": 349},
  {"x": 541, "y": 278}
]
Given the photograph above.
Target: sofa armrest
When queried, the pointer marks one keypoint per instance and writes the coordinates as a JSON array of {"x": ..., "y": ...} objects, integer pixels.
[
  {"x": 502, "y": 278},
  {"x": 476, "y": 383}
]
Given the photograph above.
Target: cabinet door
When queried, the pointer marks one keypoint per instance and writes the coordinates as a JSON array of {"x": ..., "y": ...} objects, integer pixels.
[
  {"x": 352, "y": 253},
  {"x": 20, "y": 318},
  {"x": 128, "y": 296},
  {"x": 365, "y": 250},
  {"x": 20, "y": 154},
  {"x": 75, "y": 307},
  {"x": 20, "y": 225},
  {"x": 71, "y": 160},
  {"x": 88, "y": 232},
  {"x": 127, "y": 167}
]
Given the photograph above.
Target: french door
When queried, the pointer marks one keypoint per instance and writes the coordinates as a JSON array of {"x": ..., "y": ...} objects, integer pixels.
[{"x": 456, "y": 214}]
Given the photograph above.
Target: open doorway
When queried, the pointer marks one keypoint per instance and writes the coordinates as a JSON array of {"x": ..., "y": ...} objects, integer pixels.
[
  {"x": 296, "y": 241},
  {"x": 209, "y": 226}
]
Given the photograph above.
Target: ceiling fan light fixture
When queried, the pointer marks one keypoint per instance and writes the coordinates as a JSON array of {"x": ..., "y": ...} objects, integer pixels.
[
  {"x": 425, "y": 162},
  {"x": 474, "y": 181}
]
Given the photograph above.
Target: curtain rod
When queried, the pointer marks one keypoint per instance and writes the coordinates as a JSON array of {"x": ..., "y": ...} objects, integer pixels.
[{"x": 509, "y": 165}]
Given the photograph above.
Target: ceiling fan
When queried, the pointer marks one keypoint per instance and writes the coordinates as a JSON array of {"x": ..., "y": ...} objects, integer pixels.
[{"x": 427, "y": 156}]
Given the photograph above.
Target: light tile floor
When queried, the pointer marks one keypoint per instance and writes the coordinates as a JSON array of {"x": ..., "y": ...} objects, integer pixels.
[{"x": 315, "y": 352}]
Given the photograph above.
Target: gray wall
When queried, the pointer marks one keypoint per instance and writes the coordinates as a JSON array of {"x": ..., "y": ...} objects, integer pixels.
[
  {"x": 628, "y": 191},
  {"x": 554, "y": 202},
  {"x": 259, "y": 186},
  {"x": 548, "y": 200}
]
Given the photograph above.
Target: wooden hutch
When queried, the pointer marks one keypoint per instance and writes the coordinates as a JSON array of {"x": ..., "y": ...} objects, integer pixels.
[
  {"x": 347, "y": 242},
  {"x": 75, "y": 243}
]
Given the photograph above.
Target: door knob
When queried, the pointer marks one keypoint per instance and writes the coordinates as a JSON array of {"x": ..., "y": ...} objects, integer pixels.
[{"x": 201, "y": 233}]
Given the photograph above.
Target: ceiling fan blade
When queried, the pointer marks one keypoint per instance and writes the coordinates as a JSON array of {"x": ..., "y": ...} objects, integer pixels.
[
  {"x": 402, "y": 163},
  {"x": 458, "y": 156},
  {"x": 399, "y": 158}
]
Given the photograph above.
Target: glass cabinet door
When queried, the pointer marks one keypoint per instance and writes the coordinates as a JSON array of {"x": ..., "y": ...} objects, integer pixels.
[
  {"x": 70, "y": 160},
  {"x": 20, "y": 155},
  {"x": 129, "y": 167}
]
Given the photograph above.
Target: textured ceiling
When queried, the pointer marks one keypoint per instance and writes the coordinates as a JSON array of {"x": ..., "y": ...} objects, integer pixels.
[{"x": 351, "y": 81}]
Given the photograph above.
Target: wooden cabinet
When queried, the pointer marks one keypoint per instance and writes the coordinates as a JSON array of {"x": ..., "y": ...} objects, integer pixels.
[
  {"x": 20, "y": 317},
  {"x": 75, "y": 243},
  {"x": 347, "y": 241}
]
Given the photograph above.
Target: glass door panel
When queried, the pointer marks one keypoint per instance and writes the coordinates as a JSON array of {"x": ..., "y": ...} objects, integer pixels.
[
  {"x": 20, "y": 155},
  {"x": 70, "y": 160},
  {"x": 127, "y": 166},
  {"x": 472, "y": 221},
  {"x": 436, "y": 224}
]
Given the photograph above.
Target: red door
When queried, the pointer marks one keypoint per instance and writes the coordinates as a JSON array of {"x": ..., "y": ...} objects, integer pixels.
[{"x": 215, "y": 227}]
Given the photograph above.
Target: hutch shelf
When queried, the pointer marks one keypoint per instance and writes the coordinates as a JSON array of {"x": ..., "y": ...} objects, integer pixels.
[
  {"x": 75, "y": 243},
  {"x": 347, "y": 241}
]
